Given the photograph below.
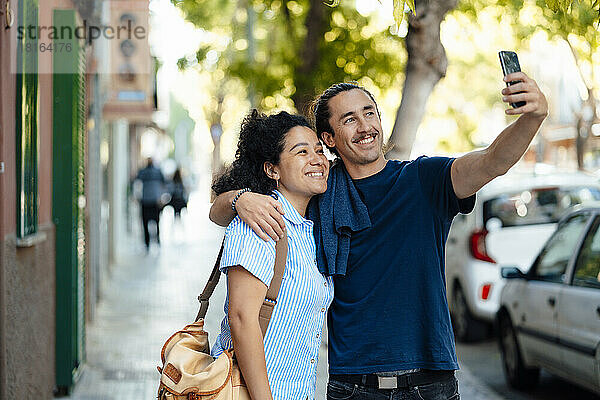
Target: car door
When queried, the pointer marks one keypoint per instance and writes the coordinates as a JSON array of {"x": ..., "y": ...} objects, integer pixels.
[
  {"x": 537, "y": 307},
  {"x": 457, "y": 253},
  {"x": 579, "y": 312}
]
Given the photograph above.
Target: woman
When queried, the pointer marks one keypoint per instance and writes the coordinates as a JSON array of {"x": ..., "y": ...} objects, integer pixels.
[
  {"x": 278, "y": 155},
  {"x": 178, "y": 193}
]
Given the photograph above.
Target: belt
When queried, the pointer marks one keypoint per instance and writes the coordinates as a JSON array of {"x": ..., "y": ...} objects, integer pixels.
[{"x": 422, "y": 377}]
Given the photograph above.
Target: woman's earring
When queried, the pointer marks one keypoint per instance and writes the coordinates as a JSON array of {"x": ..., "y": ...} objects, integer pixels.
[{"x": 277, "y": 183}]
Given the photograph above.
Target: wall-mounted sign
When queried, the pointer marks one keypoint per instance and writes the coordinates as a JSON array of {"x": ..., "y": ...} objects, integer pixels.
[{"x": 132, "y": 77}]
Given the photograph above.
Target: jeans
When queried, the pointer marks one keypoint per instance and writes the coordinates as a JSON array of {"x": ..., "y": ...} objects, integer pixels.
[{"x": 442, "y": 390}]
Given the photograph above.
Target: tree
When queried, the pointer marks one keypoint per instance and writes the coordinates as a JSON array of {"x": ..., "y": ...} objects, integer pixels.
[
  {"x": 288, "y": 50},
  {"x": 426, "y": 65},
  {"x": 575, "y": 26},
  {"x": 427, "y": 62}
]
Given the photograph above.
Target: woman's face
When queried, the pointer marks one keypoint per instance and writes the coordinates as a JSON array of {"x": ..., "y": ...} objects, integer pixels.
[{"x": 302, "y": 168}]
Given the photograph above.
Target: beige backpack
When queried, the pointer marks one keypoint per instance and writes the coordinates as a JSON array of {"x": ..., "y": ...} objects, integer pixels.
[{"x": 189, "y": 371}]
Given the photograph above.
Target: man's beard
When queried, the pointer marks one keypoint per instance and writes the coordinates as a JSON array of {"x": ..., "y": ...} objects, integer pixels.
[{"x": 363, "y": 158}]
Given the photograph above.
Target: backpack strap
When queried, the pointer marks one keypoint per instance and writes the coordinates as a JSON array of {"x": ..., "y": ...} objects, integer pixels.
[
  {"x": 213, "y": 280},
  {"x": 266, "y": 310}
]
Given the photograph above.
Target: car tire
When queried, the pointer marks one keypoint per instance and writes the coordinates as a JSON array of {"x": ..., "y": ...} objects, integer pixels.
[
  {"x": 517, "y": 374},
  {"x": 467, "y": 328}
]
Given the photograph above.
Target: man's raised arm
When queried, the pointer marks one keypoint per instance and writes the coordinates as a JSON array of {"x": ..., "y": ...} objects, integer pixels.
[
  {"x": 262, "y": 213},
  {"x": 473, "y": 170}
]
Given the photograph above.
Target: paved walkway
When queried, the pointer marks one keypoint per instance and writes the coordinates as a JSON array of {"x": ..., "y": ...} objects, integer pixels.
[{"x": 151, "y": 296}]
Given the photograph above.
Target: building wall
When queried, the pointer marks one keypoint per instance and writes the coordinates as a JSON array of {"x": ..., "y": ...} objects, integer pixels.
[
  {"x": 7, "y": 127},
  {"x": 27, "y": 284},
  {"x": 7, "y": 181},
  {"x": 29, "y": 319}
]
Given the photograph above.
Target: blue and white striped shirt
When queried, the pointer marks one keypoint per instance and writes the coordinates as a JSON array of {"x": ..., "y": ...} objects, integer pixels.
[{"x": 293, "y": 338}]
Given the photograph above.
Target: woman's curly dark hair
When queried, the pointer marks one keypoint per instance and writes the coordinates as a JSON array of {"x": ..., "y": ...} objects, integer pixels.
[{"x": 262, "y": 139}]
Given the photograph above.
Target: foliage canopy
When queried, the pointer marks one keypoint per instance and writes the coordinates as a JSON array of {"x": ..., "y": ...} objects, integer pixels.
[{"x": 284, "y": 49}]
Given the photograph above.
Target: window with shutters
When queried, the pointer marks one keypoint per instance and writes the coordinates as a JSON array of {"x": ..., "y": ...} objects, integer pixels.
[{"x": 27, "y": 105}]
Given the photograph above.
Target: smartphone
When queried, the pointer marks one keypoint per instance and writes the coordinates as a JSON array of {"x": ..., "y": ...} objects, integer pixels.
[{"x": 510, "y": 64}]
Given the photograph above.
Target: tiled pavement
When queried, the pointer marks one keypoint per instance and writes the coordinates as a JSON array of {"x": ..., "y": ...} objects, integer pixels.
[{"x": 150, "y": 296}]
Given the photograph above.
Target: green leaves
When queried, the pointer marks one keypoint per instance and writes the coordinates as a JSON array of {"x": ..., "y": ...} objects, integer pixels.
[
  {"x": 559, "y": 5},
  {"x": 566, "y": 6},
  {"x": 261, "y": 45},
  {"x": 399, "y": 6}
]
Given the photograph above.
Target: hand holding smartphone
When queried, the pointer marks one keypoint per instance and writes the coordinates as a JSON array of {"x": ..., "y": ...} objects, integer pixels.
[{"x": 510, "y": 63}]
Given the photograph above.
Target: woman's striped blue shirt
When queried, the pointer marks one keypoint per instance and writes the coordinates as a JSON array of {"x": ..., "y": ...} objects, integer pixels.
[{"x": 293, "y": 338}]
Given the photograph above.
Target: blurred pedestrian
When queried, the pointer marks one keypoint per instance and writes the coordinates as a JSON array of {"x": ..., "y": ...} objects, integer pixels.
[
  {"x": 178, "y": 192},
  {"x": 153, "y": 183}
]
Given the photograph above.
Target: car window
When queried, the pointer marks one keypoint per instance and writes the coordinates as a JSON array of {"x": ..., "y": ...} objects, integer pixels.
[
  {"x": 536, "y": 206},
  {"x": 552, "y": 263},
  {"x": 587, "y": 268}
]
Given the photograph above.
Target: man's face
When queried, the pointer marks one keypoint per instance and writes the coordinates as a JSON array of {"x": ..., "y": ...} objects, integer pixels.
[{"x": 357, "y": 133}]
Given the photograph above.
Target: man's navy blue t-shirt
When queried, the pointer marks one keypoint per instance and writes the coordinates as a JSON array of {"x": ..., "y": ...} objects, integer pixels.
[{"x": 390, "y": 310}]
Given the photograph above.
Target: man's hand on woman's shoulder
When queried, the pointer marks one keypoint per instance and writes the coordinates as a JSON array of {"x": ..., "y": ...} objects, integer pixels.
[{"x": 263, "y": 214}]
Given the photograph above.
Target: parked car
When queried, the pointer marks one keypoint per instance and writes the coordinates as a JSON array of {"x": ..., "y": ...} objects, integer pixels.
[
  {"x": 513, "y": 217},
  {"x": 549, "y": 317}
]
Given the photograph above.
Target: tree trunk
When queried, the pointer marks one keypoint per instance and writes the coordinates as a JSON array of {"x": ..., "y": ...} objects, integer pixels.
[
  {"x": 316, "y": 25},
  {"x": 216, "y": 131},
  {"x": 588, "y": 114},
  {"x": 426, "y": 65},
  {"x": 585, "y": 119},
  {"x": 217, "y": 167}
]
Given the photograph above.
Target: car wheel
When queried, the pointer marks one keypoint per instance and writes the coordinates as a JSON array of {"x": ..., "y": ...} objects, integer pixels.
[
  {"x": 517, "y": 374},
  {"x": 467, "y": 328}
]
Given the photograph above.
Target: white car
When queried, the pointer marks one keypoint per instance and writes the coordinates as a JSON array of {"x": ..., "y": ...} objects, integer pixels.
[
  {"x": 513, "y": 217},
  {"x": 549, "y": 317}
]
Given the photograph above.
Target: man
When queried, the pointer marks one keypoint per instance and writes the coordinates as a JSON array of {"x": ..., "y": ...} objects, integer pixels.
[
  {"x": 153, "y": 187},
  {"x": 390, "y": 334}
]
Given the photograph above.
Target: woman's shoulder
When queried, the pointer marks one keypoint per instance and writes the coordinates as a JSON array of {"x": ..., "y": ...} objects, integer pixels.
[
  {"x": 244, "y": 247},
  {"x": 239, "y": 229}
]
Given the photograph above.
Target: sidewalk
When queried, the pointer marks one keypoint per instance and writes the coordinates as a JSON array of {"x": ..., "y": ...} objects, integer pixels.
[{"x": 151, "y": 296}]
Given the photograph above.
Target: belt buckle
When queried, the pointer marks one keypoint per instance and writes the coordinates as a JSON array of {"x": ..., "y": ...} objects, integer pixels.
[{"x": 387, "y": 382}]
